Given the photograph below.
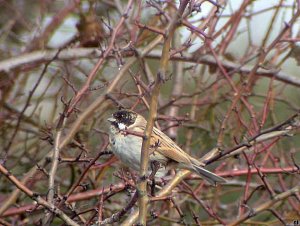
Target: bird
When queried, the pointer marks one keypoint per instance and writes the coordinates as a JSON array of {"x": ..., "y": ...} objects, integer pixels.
[{"x": 126, "y": 136}]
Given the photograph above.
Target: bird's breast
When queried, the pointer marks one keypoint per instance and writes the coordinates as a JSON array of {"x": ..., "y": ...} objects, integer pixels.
[{"x": 128, "y": 149}]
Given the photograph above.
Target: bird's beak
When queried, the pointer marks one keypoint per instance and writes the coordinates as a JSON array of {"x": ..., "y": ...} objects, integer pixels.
[{"x": 111, "y": 120}]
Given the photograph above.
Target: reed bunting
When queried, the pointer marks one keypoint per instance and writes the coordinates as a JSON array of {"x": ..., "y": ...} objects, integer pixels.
[{"x": 126, "y": 145}]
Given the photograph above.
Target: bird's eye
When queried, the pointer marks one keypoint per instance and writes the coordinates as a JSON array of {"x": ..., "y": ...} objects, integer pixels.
[{"x": 124, "y": 116}]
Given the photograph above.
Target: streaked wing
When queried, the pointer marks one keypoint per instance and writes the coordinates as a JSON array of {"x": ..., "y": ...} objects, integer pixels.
[
  {"x": 167, "y": 147},
  {"x": 163, "y": 149}
]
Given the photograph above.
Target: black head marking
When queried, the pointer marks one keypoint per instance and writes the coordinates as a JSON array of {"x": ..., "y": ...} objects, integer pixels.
[{"x": 126, "y": 117}]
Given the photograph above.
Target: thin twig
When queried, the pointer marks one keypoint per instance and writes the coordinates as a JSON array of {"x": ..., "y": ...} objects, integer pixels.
[
  {"x": 36, "y": 197},
  {"x": 265, "y": 206}
]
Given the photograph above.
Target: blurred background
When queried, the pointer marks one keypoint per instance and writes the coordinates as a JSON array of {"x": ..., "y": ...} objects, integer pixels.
[{"x": 233, "y": 73}]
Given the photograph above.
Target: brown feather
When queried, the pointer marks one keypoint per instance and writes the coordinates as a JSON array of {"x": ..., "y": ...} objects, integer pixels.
[
  {"x": 164, "y": 148},
  {"x": 169, "y": 148}
]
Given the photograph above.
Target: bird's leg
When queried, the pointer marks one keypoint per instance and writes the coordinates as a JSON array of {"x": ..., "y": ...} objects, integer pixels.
[{"x": 155, "y": 165}]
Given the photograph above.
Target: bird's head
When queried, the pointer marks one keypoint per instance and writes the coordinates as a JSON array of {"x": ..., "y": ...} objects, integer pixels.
[{"x": 124, "y": 119}]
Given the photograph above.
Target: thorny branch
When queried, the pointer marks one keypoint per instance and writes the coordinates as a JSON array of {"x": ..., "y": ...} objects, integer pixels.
[
  {"x": 161, "y": 75},
  {"x": 228, "y": 82}
]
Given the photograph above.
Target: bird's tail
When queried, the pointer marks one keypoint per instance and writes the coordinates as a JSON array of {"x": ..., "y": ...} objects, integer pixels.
[{"x": 212, "y": 178}]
